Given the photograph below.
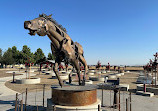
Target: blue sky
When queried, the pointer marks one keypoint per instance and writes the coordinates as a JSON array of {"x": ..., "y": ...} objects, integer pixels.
[{"x": 116, "y": 31}]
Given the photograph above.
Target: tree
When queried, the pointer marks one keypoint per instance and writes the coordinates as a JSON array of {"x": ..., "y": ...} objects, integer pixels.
[
  {"x": 50, "y": 56},
  {"x": 15, "y": 54},
  {"x": 0, "y": 55},
  {"x": 20, "y": 59},
  {"x": 38, "y": 56},
  {"x": 27, "y": 55},
  {"x": 8, "y": 57}
]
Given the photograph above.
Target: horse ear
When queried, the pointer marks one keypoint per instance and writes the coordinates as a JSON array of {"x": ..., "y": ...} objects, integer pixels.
[{"x": 50, "y": 15}]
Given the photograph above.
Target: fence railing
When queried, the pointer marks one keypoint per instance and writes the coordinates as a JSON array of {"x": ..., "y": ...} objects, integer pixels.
[{"x": 21, "y": 101}]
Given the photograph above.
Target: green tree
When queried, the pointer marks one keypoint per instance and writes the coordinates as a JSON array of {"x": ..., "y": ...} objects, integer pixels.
[
  {"x": 20, "y": 59},
  {"x": 50, "y": 56},
  {"x": 27, "y": 55},
  {"x": 15, "y": 54},
  {"x": 1, "y": 58},
  {"x": 8, "y": 57},
  {"x": 38, "y": 56},
  {"x": 0, "y": 55}
]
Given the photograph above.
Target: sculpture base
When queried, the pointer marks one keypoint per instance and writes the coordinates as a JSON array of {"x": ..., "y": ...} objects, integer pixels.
[
  {"x": 92, "y": 107},
  {"x": 28, "y": 81},
  {"x": 74, "y": 95},
  {"x": 75, "y": 82}
]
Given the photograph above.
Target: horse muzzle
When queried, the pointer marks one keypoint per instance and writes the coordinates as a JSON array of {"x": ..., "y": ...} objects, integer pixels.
[{"x": 27, "y": 24}]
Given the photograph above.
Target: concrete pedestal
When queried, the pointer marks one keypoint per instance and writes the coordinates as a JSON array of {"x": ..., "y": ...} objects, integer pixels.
[
  {"x": 104, "y": 72},
  {"x": 48, "y": 72},
  {"x": 75, "y": 82},
  {"x": 122, "y": 74},
  {"x": 149, "y": 94},
  {"x": 31, "y": 71},
  {"x": 112, "y": 76},
  {"x": 124, "y": 87},
  {"x": 98, "y": 72},
  {"x": 93, "y": 78},
  {"x": 92, "y": 71},
  {"x": 28, "y": 81},
  {"x": 72, "y": 98},
  {"x": 118, "y": 75},
  {"x": 92, "y": 107},
  {"x": 90, "y": 74},
  {"x": 101, "y": 79},
  {"x": 12, "y": 72},
  {"x": 63, "y": 76}
]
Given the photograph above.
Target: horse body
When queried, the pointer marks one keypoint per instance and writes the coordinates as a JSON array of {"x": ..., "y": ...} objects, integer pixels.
[{"x": 62, "y": 45}]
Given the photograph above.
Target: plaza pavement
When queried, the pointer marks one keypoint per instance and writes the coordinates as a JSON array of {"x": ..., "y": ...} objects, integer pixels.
[
  {"x": 5, "y": 91},
  {"x": 7, "y": 99}
]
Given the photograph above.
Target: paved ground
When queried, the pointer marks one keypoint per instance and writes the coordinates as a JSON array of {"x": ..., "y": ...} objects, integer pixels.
[
  {"x": 129, "y": 78},
  {"x": 7, "y": 99},
  {"x": 7, "y": 103},
  {"x": 5, "y": 91},
  {"x": 7, "y": 73},
  {"x": 139, "y": 103}
]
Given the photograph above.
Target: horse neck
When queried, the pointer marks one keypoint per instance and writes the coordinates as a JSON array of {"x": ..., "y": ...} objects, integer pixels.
[
  {"x": 52, "y": 31},
  {"x": 53, "y": 35}
]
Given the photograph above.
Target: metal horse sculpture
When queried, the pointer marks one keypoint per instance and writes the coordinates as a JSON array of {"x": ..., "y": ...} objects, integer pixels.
[{"x": 62, "y": 45}]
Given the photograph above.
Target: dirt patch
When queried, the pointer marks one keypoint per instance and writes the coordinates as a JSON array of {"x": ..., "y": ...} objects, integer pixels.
[
  {"x": 121, "y": 68},
  {"x": 45, "y": 79},
  {"x": 130, "y": 78},
  {"x": 4, "y": 74},
  {"x": 152, "y": 86}
]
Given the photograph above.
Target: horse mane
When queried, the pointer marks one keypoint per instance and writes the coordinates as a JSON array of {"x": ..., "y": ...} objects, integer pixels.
[{"x": 54, "y": 21}]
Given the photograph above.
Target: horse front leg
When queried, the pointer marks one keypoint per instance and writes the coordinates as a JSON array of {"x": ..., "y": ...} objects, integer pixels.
[{"x": 57, "y": 74}]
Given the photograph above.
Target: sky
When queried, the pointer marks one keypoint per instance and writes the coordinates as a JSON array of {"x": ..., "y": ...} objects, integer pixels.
[{"x": 121, "y": 32}]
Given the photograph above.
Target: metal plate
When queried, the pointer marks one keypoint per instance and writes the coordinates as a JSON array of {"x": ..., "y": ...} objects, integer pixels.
[
  {"x": 74, "y": 95},
  {"x": 75, "y": 87}
]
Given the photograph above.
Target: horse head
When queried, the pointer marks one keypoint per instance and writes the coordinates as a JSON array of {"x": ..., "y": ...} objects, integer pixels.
[{"x": 37, "y": 25}]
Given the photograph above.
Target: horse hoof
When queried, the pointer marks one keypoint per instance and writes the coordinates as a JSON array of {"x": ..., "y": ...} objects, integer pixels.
[{"x": 83, "y": 83}]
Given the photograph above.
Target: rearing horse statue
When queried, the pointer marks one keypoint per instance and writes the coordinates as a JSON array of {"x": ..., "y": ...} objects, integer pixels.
[{"x": 62, "y": 46}]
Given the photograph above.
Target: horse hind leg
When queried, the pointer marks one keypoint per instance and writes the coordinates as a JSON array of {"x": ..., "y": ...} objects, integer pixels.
[
  {"x": 77, "y": 67},
  {"x": 83, "y": 61}
]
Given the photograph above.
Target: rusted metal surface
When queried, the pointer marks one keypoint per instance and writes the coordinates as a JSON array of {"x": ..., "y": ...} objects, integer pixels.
[
  {"x": 75, "y": 87},
  {"x": 76, "y": 96},
  {"x": 62, "y": 46}
]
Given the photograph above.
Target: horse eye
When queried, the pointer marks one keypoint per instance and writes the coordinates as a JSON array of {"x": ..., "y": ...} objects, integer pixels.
[{"x": 42, "y": 19}]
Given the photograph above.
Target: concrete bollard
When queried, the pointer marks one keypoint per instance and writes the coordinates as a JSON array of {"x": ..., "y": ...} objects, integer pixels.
[
  {"x": 105, "y": 80},
  {"x": 13, "y": 77},
  {"x": 70, "y": 79}
]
